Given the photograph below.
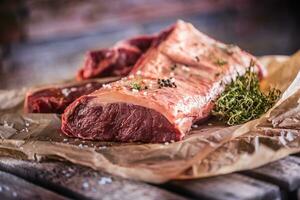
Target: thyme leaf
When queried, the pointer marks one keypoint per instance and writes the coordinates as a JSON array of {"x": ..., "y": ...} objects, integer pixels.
[{"x": 243, "y": 100}]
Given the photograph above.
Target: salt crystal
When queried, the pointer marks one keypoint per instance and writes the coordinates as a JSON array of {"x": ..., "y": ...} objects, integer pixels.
[
  {"x": 139, "y": 72},
  {"x": 194, "y": 126},
  {"x": 65, "y": 140},
  {"x": 73, "y": 89},
  {"x": 85, "y": 185},
  {"x": 172, "y": 141},
  {"x": 185, "y": 68},
  {"x": 107, "y": 86},
  {"x": 104, "y": 180},
  {"x": 282, "y": 138},
  {"x": 65, "y": 92},
  {"x": 27, "y": 123},
  {"x": 80, "y": 145},
  {"x": 7, "y": 125},
  {"x": 290, "y": 136},
  {"x": 209, "y": 124},
  {"x": 14, "y": 194},
  {"x": 88, "y": 85},
  {"x": 145, "y": 93},
  {"x": 166, "y": 143},
  {"x": 131, "y": 76},
  {"x": 134, "y": 90},
  {"x": 103, "y": 147},
  {"x": 172, "y": 80}
]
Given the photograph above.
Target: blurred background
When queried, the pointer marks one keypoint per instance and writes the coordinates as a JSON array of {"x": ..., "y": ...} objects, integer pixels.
[{"x": 44, "y": 41}]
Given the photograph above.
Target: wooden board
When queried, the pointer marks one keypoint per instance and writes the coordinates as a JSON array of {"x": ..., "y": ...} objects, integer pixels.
[
  {"x": 82, "y": 183},
  {"x": 285, "y": 173},
  {"x": 12, "y": 187},
  {"x": 228, "y": 187}
]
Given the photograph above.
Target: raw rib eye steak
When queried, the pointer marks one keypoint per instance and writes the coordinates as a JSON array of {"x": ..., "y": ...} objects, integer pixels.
[{"x": 171, "y": 86}]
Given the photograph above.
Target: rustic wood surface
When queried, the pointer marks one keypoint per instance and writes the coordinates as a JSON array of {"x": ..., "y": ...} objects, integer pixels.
[
  {"x": 82, "y": 183},
  {"x": 285, "y": 173},
  {"x": 12, "y": 187},
  {"x": 228, "y": 187}
]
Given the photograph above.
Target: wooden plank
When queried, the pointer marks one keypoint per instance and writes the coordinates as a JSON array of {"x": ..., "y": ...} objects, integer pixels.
[
  {"x": 12, "y": 187},
  {"x": 285, "y": 173},
  {"x": 81, "y": 182},
  {"x": 228, "y": 187}
]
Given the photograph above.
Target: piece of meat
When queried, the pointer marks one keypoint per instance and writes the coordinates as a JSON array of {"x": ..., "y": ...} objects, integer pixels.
[
  {"x": 55, "y": 98},
  {"x": 115, "y": 61},
  {"x": 170, "y": 87}
]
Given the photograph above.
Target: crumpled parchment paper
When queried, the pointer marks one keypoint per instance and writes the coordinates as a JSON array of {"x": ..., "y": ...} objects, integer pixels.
[{"x": 208, "y": 150}]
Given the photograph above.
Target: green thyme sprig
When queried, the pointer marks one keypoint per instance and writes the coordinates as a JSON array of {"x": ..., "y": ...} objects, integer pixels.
[
  {"x": 243, "y": 100},
  {"x": 138, "y": 85}
]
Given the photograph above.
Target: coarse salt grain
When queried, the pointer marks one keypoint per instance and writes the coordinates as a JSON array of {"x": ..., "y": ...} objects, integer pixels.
[
  {"x": 88, "y": 85},
  {"x": 139, "y": 72},
  {"x": 131, "y": 76},
  {"x": 7, "y": 125},
  {"x": 65, "y": 92},
  {"x": 134, "y": 90},
  {"x": 85, "y": 185},
  {"x": 107, "y": 86},
  {"x": 104, "y": 180},
  {"x": 73, "y": 89},
  {"x": 282, "y": 138},
  {"x": 290, "y": 136}
]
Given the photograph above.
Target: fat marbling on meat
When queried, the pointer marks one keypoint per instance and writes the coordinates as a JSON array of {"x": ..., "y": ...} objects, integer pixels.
[{"x": 172, "y": 85}]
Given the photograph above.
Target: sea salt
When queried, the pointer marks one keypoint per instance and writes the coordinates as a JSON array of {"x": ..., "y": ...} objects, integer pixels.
[
  {"x": 7, "y": 125},
  {"x": 167, "y": 143},
  {"x": 107, "y": 86},
  {"x": 290, "y": 136},
  {"x": 65, "y": 92},
  {"x": 14, "y": 194},
  {"x": 131, "y": 76},
  {"x": 138, "y": 72},
  {"x": 27, "y": 124},
  {"x": 282, "y": 138},
  {"x": 85, "y": 185},
  {"x": 104, "y": 180},
  {"x": 194, "y": 126},
  {"x": 134, "y": 90},
  {"x": 65, "y": 140},
  {"x": 73, "y": 89},
  {"x": 88, "y": 85}
]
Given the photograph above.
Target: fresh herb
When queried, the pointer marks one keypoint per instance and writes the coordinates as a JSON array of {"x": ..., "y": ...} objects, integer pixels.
[
  {"x": 138, "y": 86},
  {"x": 170, "y": 82},
  {"x": 220, "y": 62},
  {"x": 243, "y": 100}
]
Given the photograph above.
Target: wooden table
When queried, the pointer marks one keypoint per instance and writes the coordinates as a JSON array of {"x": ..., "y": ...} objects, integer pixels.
[{"x": 21, "y": 179}]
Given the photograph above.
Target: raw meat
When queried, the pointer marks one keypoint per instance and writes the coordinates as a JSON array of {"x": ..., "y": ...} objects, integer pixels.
[
  {"x": 173, "y": 85},
  {"x": 116, "y": 61},
  {"x": 54, "y": 99}
]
